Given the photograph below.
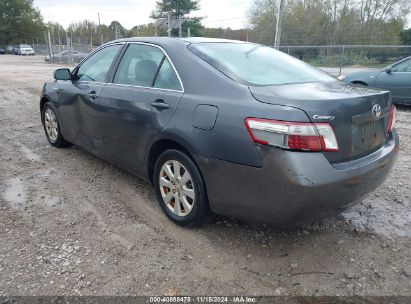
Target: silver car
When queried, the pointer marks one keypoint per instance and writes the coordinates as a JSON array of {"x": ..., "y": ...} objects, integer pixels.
[
  {"x": 67, "y": 56},
  {"x": 25, "y": 49}
]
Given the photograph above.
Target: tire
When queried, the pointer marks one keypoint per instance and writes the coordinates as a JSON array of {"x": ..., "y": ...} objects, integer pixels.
[
  {"x": 52, "y": 127},
  {"x": 191, "y": 195}
]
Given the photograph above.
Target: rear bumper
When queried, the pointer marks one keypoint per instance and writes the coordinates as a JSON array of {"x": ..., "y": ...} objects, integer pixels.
[
  {"x": 402, "y": 102},
  {"x": 293, "y": 188}
]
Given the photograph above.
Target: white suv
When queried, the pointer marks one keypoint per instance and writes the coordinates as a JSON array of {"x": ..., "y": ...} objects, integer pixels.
[{"x": 25, "y": 49}]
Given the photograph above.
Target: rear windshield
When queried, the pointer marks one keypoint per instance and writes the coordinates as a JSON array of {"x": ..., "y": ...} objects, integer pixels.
[
  {"x": 254, "y": 64},
  {"x": 25, "y": 46}
]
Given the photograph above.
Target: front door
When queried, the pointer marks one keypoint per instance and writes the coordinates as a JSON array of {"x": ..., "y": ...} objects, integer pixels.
[
  {"x": 397, "y": 80},
  {"x": 78, "y": 99},
  {"x": 138, "y": 103}
]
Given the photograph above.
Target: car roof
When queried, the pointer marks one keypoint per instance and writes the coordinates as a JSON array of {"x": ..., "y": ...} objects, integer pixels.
[{"x": 173, "y": 41}]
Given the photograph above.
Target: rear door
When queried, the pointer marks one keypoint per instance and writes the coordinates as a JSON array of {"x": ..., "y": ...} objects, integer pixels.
[
  {"x": 398, "y": 81},
  {"x": 139, "y": 102},
  {"x": 78, "y": 99}
]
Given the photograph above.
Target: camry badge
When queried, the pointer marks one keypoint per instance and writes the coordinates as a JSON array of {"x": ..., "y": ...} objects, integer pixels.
[
  {"x": 376, "y": 110},
  {"x": 324, "y": 117}
]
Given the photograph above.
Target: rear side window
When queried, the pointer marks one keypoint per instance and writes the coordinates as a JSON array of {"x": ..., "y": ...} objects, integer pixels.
[
  {"x": 253, "y": 64},
  {"x": 167, "y": 78},
  {"x": 146, "y": 66},
  {"x": 97, "y": 66},
  {"x": 139, "y": 65}
]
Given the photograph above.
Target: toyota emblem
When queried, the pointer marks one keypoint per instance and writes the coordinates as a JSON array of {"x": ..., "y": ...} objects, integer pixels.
[{"x": 376, "y": 110}]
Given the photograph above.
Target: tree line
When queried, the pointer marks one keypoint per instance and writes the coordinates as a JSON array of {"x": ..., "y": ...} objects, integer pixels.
[
  {"x": 303, "y": 22},
  {"x": 330, "y": 22}
]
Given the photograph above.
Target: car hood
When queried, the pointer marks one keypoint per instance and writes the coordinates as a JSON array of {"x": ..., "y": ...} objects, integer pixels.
[{"x": 362, "y": 76}]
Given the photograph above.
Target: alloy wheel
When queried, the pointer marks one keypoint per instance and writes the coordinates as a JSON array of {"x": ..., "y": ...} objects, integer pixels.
[
  {"x": 176, "y": 187},
  {"x": 50, "y": 122}
]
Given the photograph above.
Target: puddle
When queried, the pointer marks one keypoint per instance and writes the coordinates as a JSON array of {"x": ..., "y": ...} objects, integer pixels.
[
  {"x": 388, "y": 219},
  {"x": 15, "y": 192},
  {"x": 30, "y": 155},
  {"x": 45, "y": 173},
  {"x": 51, "y": 201}
]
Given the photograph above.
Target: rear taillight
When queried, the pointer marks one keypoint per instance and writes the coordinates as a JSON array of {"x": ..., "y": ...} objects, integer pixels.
[
  {"x": 292, "y": 135},
  {"x": 393, "y": 116}
]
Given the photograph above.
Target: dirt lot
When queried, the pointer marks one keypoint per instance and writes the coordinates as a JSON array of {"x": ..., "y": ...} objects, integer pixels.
[{"x": 75, "y": 225}]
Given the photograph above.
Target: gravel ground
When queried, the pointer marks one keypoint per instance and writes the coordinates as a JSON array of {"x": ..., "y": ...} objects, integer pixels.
[{"x": 72, "y": 224}]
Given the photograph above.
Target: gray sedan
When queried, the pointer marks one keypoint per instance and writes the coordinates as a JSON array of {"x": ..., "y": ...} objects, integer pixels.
[
  {"x": 67, "y": 56},
  {"x": 235, "y": 128},
  {"x": 395, "y": 78}
]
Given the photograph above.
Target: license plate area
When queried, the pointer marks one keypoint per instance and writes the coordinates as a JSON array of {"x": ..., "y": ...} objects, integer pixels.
[{"x": 368, "y": 135}]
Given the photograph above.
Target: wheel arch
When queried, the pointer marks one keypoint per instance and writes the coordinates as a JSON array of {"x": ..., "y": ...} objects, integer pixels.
[
  {"x": 43, "y": 101},
  {"x": 162, "y": 144},
  {"x": 360, "y": 82}
]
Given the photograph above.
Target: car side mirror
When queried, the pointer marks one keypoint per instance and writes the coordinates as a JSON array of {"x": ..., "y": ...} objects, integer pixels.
[
  {"x": 388, "y": 70},
  {"x": 62, "y": 74}
]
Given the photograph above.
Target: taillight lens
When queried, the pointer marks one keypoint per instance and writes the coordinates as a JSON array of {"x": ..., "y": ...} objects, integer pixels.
[
  {"x": 393, "y": 117},
  {"x": 292, "y": 135}
]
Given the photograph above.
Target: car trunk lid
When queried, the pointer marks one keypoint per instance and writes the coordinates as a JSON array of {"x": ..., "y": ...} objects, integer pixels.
[{"x": 348, "y": 108}]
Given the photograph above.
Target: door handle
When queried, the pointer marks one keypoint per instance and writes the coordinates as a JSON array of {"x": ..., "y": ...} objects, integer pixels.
[
  {"x": 93, "y": 95},
  {"x": 160, "y": 104}
]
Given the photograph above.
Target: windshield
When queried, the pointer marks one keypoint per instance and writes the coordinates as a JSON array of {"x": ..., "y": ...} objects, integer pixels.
[
  {"x": 254, "y": 64},
  {"x": 25, "y": 46}
]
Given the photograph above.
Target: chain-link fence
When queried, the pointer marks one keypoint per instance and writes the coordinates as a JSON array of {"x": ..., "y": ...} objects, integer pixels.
[
  {"x": 335, "y": 59},
  {"x": 338, "y": 59}
]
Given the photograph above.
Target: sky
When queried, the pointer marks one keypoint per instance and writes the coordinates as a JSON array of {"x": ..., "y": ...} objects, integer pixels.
[{"x": 224, "y": 13}]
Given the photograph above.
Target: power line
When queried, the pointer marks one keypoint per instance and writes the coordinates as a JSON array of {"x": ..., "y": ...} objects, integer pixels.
[
  {"x": 223, "y": 21},
  {"x": 235, "y": 18}
]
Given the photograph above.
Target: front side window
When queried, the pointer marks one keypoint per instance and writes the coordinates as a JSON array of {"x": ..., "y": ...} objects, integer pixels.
[
  {"x": 97, "y": 66},
  {"x": 404, "y": 66},
  {"x": 254, "y": 64}
]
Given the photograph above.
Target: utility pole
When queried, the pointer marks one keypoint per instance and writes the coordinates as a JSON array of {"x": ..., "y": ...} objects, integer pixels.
[
  {"x": 70, "y": 46},
  {"x": 58, "y": 34},
  {"x": 169, "y": 24},
  {"x": 278, "y": 26},
  {"x": 180, "y": 31},
  {"x": 49, "y": 47},
  {"x": 99, "y": 27}
]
